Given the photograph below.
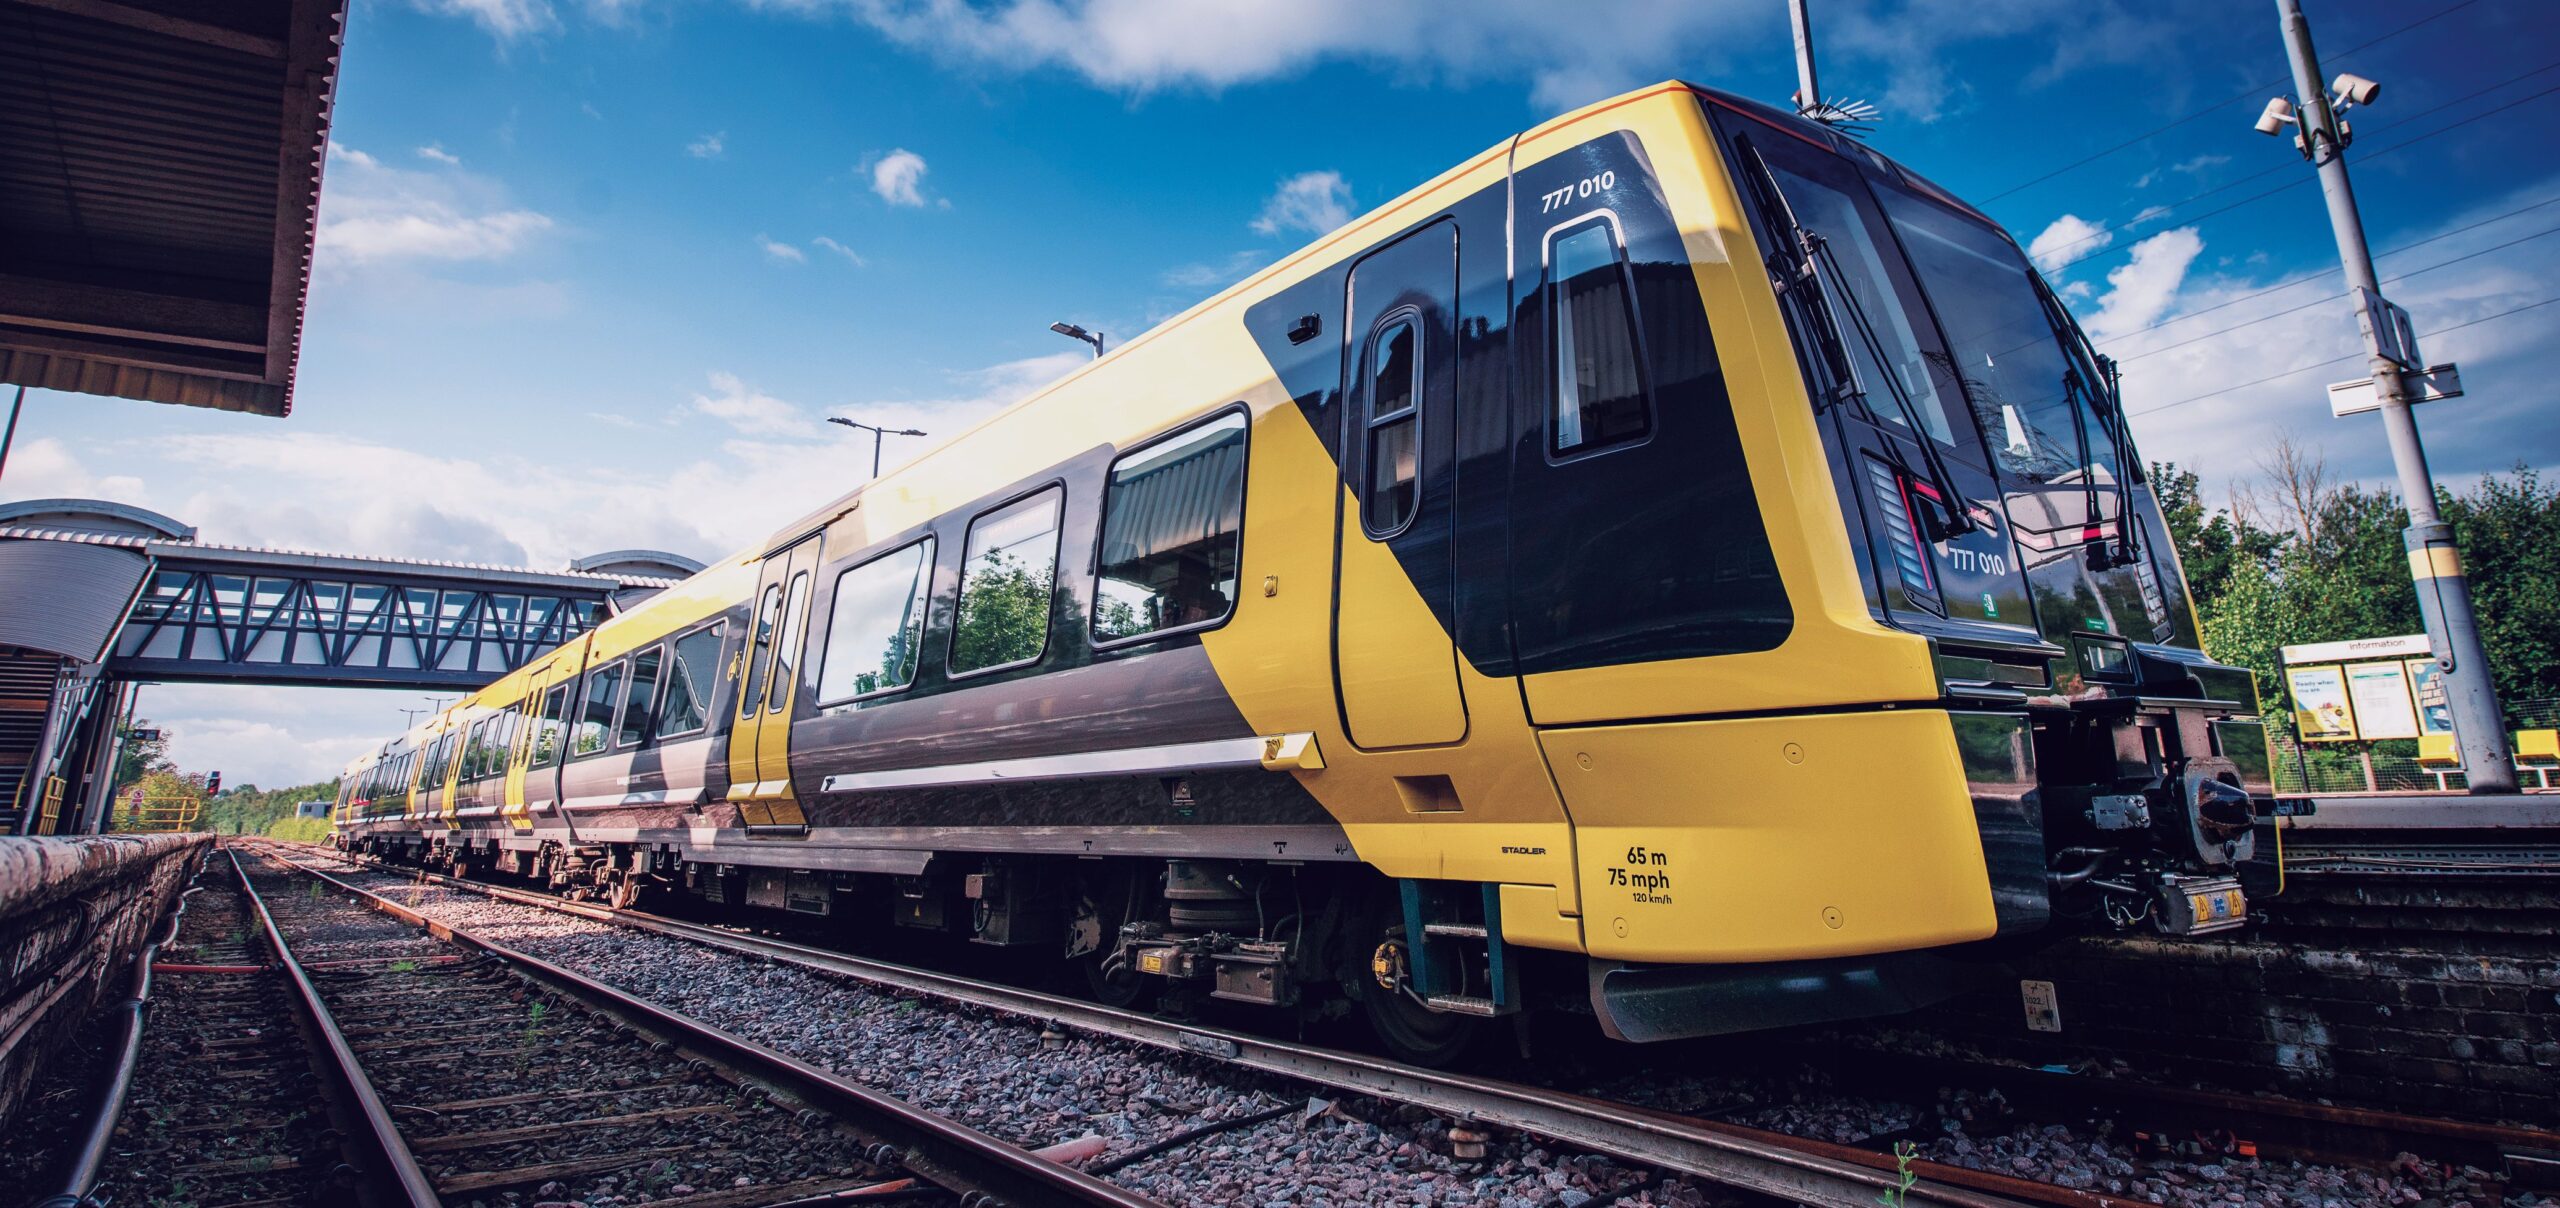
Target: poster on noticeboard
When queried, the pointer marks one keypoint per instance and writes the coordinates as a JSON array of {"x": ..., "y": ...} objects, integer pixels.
[
  {"x": 2321, "y": 711},
  {"x": 2380, "y": 693},
  {"x": 2426, "y": 683}
]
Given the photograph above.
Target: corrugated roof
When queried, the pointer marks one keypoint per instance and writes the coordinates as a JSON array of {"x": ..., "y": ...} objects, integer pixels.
[
  {"x": 249, "y": 557},
  {"x": 159, "y": 184}
]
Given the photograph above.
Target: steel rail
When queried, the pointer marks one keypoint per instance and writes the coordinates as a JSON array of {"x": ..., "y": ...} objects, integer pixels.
[
  {"x": 379, "y": 1151},
  {"x": 1803, "y": 1170},
  {"x": 942, "y": 1151}
]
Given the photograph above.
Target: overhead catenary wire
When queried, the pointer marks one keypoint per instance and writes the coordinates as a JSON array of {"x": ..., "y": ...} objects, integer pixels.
[
  {"x": 2302, "y": 369},
  {"x": 2316, "y": 274},
  {"x": 2327, "y": 298},
  {"x": 2150, "y": 213},
  {"x": 2224, "y": 103}
]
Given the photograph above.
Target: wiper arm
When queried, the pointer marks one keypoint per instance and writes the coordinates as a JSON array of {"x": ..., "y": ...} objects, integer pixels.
[
  {"x": 2105, "y": 399},
  {"x": 1803, "y": 285}
]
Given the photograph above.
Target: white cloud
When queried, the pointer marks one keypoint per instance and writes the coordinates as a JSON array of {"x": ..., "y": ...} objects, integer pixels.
[
  {"x": 1149, "y": 45},
  {"x": 437, "y": 153},
  {"x": 2070, "y": 238},
  {"x": 491, "y": 506},
  {"x": 345, "y": 154},
  {"x": 784, "y": 252},
  {"x": 851, "y": 256},
  {"x": 372, "y": 212},
  {"x": 1217, "y": 273},
  {"x": 2141, "y": 289},
  {"x": 709, "y": 146},
  {"x": 749, "y": 410},
  {"x": 298, "y": 735},
  {"x": 505, "y": 20},
  {"x": 899, "y": 178},
  {"x": 1314, "y": 202},
  {"x": 45, "y": 468}
]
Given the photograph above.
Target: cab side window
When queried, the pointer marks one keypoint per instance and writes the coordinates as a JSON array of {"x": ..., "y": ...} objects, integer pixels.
[
  {"x": 1393, "y": 422},
  {"x": 1599, "y": 395}
]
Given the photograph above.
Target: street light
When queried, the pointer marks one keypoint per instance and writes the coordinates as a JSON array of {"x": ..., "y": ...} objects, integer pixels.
[
  {"x": 1073, "y": 332},
  {"x": 876, "y": 433}
]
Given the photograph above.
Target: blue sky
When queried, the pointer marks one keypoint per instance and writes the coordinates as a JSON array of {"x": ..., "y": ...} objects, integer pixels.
[{"x": 592, "y": 272}]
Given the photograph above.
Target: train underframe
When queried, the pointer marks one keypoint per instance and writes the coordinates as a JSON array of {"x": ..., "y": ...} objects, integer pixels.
[{"x": 2142, "y": 816}]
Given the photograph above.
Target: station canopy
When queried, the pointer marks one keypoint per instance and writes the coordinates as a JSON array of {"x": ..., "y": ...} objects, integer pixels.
[{"x": 159, "y": 177}]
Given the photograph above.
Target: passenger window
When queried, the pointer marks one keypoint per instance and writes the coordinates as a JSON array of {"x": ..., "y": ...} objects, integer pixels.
[
  {"x": 1395, "y": 386},
  {"x": 759, "y": 652},
  {"x": 474, "y": 749},
  {"x": 1003, "y": 619},
  {"x": 1599, "y": 374},
  {"x": 644, "y": 696},
  {"x": 595, "y": 718},
  {"x": 875, "y": 625},
  {"x": 795, "y": 616},
  {"x": 695, "y": 661},
  {"x": 546, "y": 732},
  {"x": 1172, "y": 533}
]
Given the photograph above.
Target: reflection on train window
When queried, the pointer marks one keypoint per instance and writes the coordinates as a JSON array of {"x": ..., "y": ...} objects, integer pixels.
[
  {"x": 644, "y": 696},
  {"x": 475, "y": 749},
  {"x": 875, "y": 625},
  {"x": 1395, "y": 385},
  {"x": 546, "y": 732},
  {"x": 2004, "y": 346},
  {"x": 695, "y": 658},
  {"x": 595, "y": 718},
  {"x": 795, "y": 618},
  {"x": 1884, "y": 347},
  {"x": 1172, "y": 532},
  {"x": 759, "y": 651},
  {"x": 1003, "y": 619},
  {"x": 1599, "y": 380}
]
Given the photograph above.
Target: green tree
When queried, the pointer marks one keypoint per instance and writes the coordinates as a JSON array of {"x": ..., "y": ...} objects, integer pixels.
[
  {"x": 1003, "y": 616},
  {"x": 139, "y": 757}
]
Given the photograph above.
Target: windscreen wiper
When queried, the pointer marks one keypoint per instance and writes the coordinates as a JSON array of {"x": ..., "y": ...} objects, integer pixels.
[
  {"x": 2090, "y": 378},
  {"x": 1807, "y": 254}
]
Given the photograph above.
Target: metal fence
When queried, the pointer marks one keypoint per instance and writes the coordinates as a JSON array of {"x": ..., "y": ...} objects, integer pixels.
[{"x": 2339, "y": 767}]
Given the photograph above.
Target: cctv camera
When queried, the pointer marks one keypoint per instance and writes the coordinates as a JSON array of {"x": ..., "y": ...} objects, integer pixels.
[
  {"x": 2355, "y": 89},
  {"x": 2279, "y": 112}
]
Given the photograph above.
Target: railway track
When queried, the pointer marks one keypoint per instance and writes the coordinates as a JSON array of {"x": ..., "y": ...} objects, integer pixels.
[
  {"x": 222, "y": 1107},
  {"x": 1731, "y": 1156},
  {"x": 481, "y": 1075}
]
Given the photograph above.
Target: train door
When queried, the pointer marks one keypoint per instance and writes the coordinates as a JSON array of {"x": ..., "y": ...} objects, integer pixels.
[
  {"x": 538, "y": 783},
  {"x": 1395, "y": 662},
  {"x": 769, "y": 681}
]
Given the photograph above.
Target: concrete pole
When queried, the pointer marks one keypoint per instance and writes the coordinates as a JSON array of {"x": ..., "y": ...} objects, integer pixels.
[
  {"x": 2444, "y": 594},
  {"x": 1808, "y": 93}
]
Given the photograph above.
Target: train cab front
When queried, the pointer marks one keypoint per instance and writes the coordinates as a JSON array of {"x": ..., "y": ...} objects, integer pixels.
[{"x": 1986, "y": 472}]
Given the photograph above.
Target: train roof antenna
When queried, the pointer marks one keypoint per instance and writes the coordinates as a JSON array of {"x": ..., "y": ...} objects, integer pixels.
[{"x": 1848, "y": 117}]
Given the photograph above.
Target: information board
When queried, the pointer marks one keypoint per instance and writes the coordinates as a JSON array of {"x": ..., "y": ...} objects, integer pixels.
[
  {"x": 2322, "y": 711},
  {"x": 2426, "y": 684},
  {"x": 2380, "y": 692}
]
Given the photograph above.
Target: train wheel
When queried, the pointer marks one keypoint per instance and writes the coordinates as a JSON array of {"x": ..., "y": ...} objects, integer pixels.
[
  {"x": 1406, "y": 1029},
  {"x": 625, "y": 893}
]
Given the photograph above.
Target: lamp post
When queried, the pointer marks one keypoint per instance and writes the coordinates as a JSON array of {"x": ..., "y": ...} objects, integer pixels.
[
  {"x": 2399, "y": 379},
  {"x": 876, "y": 432},
  {"x": 1073, "y": 332}
]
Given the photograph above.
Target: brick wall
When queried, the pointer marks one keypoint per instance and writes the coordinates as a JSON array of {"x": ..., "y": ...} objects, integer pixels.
[{"x": 2431, "y": 994}]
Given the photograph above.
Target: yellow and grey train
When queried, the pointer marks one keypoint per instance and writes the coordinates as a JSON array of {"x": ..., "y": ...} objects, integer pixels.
[{"x": 1679, "y": 565}]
